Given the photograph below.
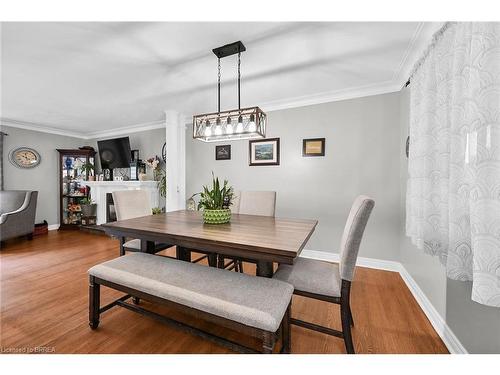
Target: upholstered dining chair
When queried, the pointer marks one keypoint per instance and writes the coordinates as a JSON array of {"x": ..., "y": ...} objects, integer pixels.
[
  {"x": 130, "y": 204},
  {"x": 260, "y": 203},
  {"x": 331, "y": 282}
]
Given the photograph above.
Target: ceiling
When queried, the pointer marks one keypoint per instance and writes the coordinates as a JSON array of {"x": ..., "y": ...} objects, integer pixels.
[{"x": 98, "y": 78}]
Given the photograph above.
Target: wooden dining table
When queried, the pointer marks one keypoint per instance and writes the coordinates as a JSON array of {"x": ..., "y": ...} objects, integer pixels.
[{"x": 260, "y": 239}]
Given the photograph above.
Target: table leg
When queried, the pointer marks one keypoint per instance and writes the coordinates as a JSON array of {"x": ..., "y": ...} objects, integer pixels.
[
  {"x": 147, "y": 246},
  {"x": 183, "y": 253},
  {"x": 265, "y": 269}
]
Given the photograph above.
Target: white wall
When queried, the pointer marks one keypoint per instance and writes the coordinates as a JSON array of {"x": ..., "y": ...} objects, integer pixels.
[{"x": 362, "y": 144}]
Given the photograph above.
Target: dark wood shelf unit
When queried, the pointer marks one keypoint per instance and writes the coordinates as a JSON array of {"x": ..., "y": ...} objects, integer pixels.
[{"x": 72, "y": 177}]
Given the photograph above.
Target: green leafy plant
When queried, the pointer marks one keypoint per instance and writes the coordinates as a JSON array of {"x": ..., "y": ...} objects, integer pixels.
[
  {"x": 217, "y": 197},
  {"x": 156, "y": 210},
  {"x": 88, "y": 168},
  {"x": 161, "y": 182},
  {"x": 86, "y": 200}
]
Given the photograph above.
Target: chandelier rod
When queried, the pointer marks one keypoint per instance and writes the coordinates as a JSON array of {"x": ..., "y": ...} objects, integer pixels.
[
  {"x": 218, "y": 87},
  {"x": 239, "y": 78}
]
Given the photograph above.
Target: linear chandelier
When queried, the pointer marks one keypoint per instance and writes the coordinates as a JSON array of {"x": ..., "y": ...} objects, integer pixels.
[{"x": 241, "y": 123}]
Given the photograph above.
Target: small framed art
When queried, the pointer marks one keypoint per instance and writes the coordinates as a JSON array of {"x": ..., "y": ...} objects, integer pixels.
[
  {"x": 313, "y": 147},
  {"x": 264, "y": 152},
  {"x": 223, "y": 152}
]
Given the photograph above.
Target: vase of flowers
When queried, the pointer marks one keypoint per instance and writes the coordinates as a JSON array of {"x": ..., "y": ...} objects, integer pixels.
[
  {"x": 215, "y": 202},
  {"x": 159, "y": 175}
]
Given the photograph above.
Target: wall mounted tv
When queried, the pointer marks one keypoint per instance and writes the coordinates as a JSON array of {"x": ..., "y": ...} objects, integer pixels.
[{"x": 114, "y": 153}]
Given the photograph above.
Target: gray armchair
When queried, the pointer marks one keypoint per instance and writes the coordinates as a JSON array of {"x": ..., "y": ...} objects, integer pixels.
[{"x": 17, "y": 213}]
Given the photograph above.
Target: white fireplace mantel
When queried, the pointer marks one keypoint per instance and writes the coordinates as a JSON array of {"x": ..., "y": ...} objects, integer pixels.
[{"x": 99, "y": 189}]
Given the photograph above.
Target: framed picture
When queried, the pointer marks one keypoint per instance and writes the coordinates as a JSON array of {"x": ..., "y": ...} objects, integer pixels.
[
  {"x": 313, "y": 147},
  {"x": 264, "y": 152},
  {"x": 223, "y": 152}
]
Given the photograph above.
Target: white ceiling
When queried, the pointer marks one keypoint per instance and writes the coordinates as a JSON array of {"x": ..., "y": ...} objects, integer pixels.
[{"x": 91, "y": 79}]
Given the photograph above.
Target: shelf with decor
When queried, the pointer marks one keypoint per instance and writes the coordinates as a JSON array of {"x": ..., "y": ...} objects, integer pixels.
[{"x": 76, "y": 167}]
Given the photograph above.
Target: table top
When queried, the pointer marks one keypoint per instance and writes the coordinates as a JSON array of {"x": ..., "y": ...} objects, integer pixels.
[{"x": 258, "y": 237}]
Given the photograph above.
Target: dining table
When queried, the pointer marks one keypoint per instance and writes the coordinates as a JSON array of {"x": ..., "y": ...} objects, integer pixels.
[{"x": 263, "y": 240}]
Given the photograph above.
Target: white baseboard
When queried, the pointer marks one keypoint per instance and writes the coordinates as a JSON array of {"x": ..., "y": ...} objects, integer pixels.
[
  {"x": 53, "y": 227},
  {"x": 438, "y": 323}
]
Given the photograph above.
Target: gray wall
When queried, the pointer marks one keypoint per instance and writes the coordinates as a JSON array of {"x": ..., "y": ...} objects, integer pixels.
[
  {"x": 475, "y": 325},
  {"x": 362, "y": 140},
  {"x": 44, "y": 177}
]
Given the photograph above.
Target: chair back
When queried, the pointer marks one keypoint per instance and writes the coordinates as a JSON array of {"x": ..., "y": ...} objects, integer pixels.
[
  {"x": 13, "y": 200},
  {"x": 262, "y": 203},
  {"x": 353, "y": 233},
  {"x": 130, "y": 204}
]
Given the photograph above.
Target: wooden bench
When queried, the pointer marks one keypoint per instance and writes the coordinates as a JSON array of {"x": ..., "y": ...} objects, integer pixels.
[{"x": 255, "y": 306}]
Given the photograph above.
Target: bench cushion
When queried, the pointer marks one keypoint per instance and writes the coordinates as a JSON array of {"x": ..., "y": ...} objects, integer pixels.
[{"x": 254, "y": 301}]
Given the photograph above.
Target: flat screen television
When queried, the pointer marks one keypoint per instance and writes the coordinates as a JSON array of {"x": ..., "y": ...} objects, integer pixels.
[{"x": 114, "y": 153}]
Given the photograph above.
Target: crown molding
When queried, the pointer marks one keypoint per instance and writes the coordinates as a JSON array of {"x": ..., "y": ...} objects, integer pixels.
[
  {"x": 331, "y": 96},
  {"x": 93, "y": 135},
  {"x": 39, "y": 127},
  {"x": 418, "y": 44},
  {"x": 127, "y": 129}
]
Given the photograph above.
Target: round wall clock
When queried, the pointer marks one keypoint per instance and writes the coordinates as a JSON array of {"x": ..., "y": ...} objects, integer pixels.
[{"x": 24, "y": 157}]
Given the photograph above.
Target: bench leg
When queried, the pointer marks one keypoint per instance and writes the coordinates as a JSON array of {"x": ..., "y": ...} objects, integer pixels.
[
  {"x": 122, "y": 249},
  {"x": 267, "y": 342},
  {"x": 287, "y": 332},
  {"x": 212, "y": 260},
  {"x": 94, "y": 302}
]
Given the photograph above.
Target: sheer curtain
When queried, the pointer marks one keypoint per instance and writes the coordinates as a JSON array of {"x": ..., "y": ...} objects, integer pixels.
[{"x": 453, "y": 195}]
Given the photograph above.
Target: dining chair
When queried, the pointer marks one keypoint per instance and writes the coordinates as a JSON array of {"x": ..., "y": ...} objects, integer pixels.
[
  {"x": 260, "y": 203},
  {"x": 130, "y": 204},
  {"x": 331, "y": 282}
]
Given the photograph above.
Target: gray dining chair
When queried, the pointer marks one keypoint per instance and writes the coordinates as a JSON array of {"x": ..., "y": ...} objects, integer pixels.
[
  {"x": 260, "y": 203},
  {"x": 331, "y": 282},
  {"x": 130, "y": 204}
]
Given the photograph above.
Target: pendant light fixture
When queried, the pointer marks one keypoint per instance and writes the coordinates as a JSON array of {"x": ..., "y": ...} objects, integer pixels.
[{"x": 241, "y": 123}]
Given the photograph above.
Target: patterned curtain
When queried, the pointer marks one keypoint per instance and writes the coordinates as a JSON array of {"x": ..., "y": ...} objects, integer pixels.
[{"x": 453, "y": 195}]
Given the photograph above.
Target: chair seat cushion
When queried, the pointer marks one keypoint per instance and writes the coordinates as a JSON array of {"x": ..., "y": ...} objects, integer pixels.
[
  {"x": 134, "y": 244},
  {"x": 254, "y": 301},
  {"x": 313, "y": 276}
]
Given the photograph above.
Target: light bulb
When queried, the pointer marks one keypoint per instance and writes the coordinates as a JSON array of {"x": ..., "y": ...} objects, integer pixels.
[
  {"x": 251, "y": 124},
  {"x": 208, "y": 129},
  {"x": 229, "y": 126},
  {"x": 239, "y": 128}
]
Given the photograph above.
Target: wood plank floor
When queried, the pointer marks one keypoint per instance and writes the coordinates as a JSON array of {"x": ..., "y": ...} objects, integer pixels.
[{"x": 44, "y": 297}]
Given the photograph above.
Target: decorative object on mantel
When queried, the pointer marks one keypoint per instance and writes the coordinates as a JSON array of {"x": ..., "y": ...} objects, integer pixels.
[
  {"x": 25, "y": 157},
  {"x": 223, "y": 152},
  {"x": 264, "y": 152},
  {"x": 313, "y": 147},
  {"x": 216, "y": 201},
  {"x": 247, "y": 123}
]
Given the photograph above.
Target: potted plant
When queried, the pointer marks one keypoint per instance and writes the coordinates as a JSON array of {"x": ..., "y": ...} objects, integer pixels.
[
  {"x": 88, "y": 168},
  {"x": 88, "y": 207},
  {"x": 216, "y": 201}
]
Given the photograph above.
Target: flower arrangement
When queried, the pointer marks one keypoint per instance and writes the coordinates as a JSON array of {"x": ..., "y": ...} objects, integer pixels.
[{"x": 159, "y": 174}]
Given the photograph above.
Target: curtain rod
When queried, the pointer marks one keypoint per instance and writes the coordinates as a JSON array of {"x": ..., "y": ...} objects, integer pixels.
[{"x": 435, "y": 38}]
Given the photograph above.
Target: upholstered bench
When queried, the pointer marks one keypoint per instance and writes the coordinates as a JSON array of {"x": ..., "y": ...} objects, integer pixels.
[{"x": 255, "y": 306}]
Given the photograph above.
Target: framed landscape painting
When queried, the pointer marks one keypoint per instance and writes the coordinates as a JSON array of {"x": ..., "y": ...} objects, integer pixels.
[{"x": 264, "y": 152}]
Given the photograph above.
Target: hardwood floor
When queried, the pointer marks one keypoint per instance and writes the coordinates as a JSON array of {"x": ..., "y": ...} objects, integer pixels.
[{"x": 44, "y": 299}]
